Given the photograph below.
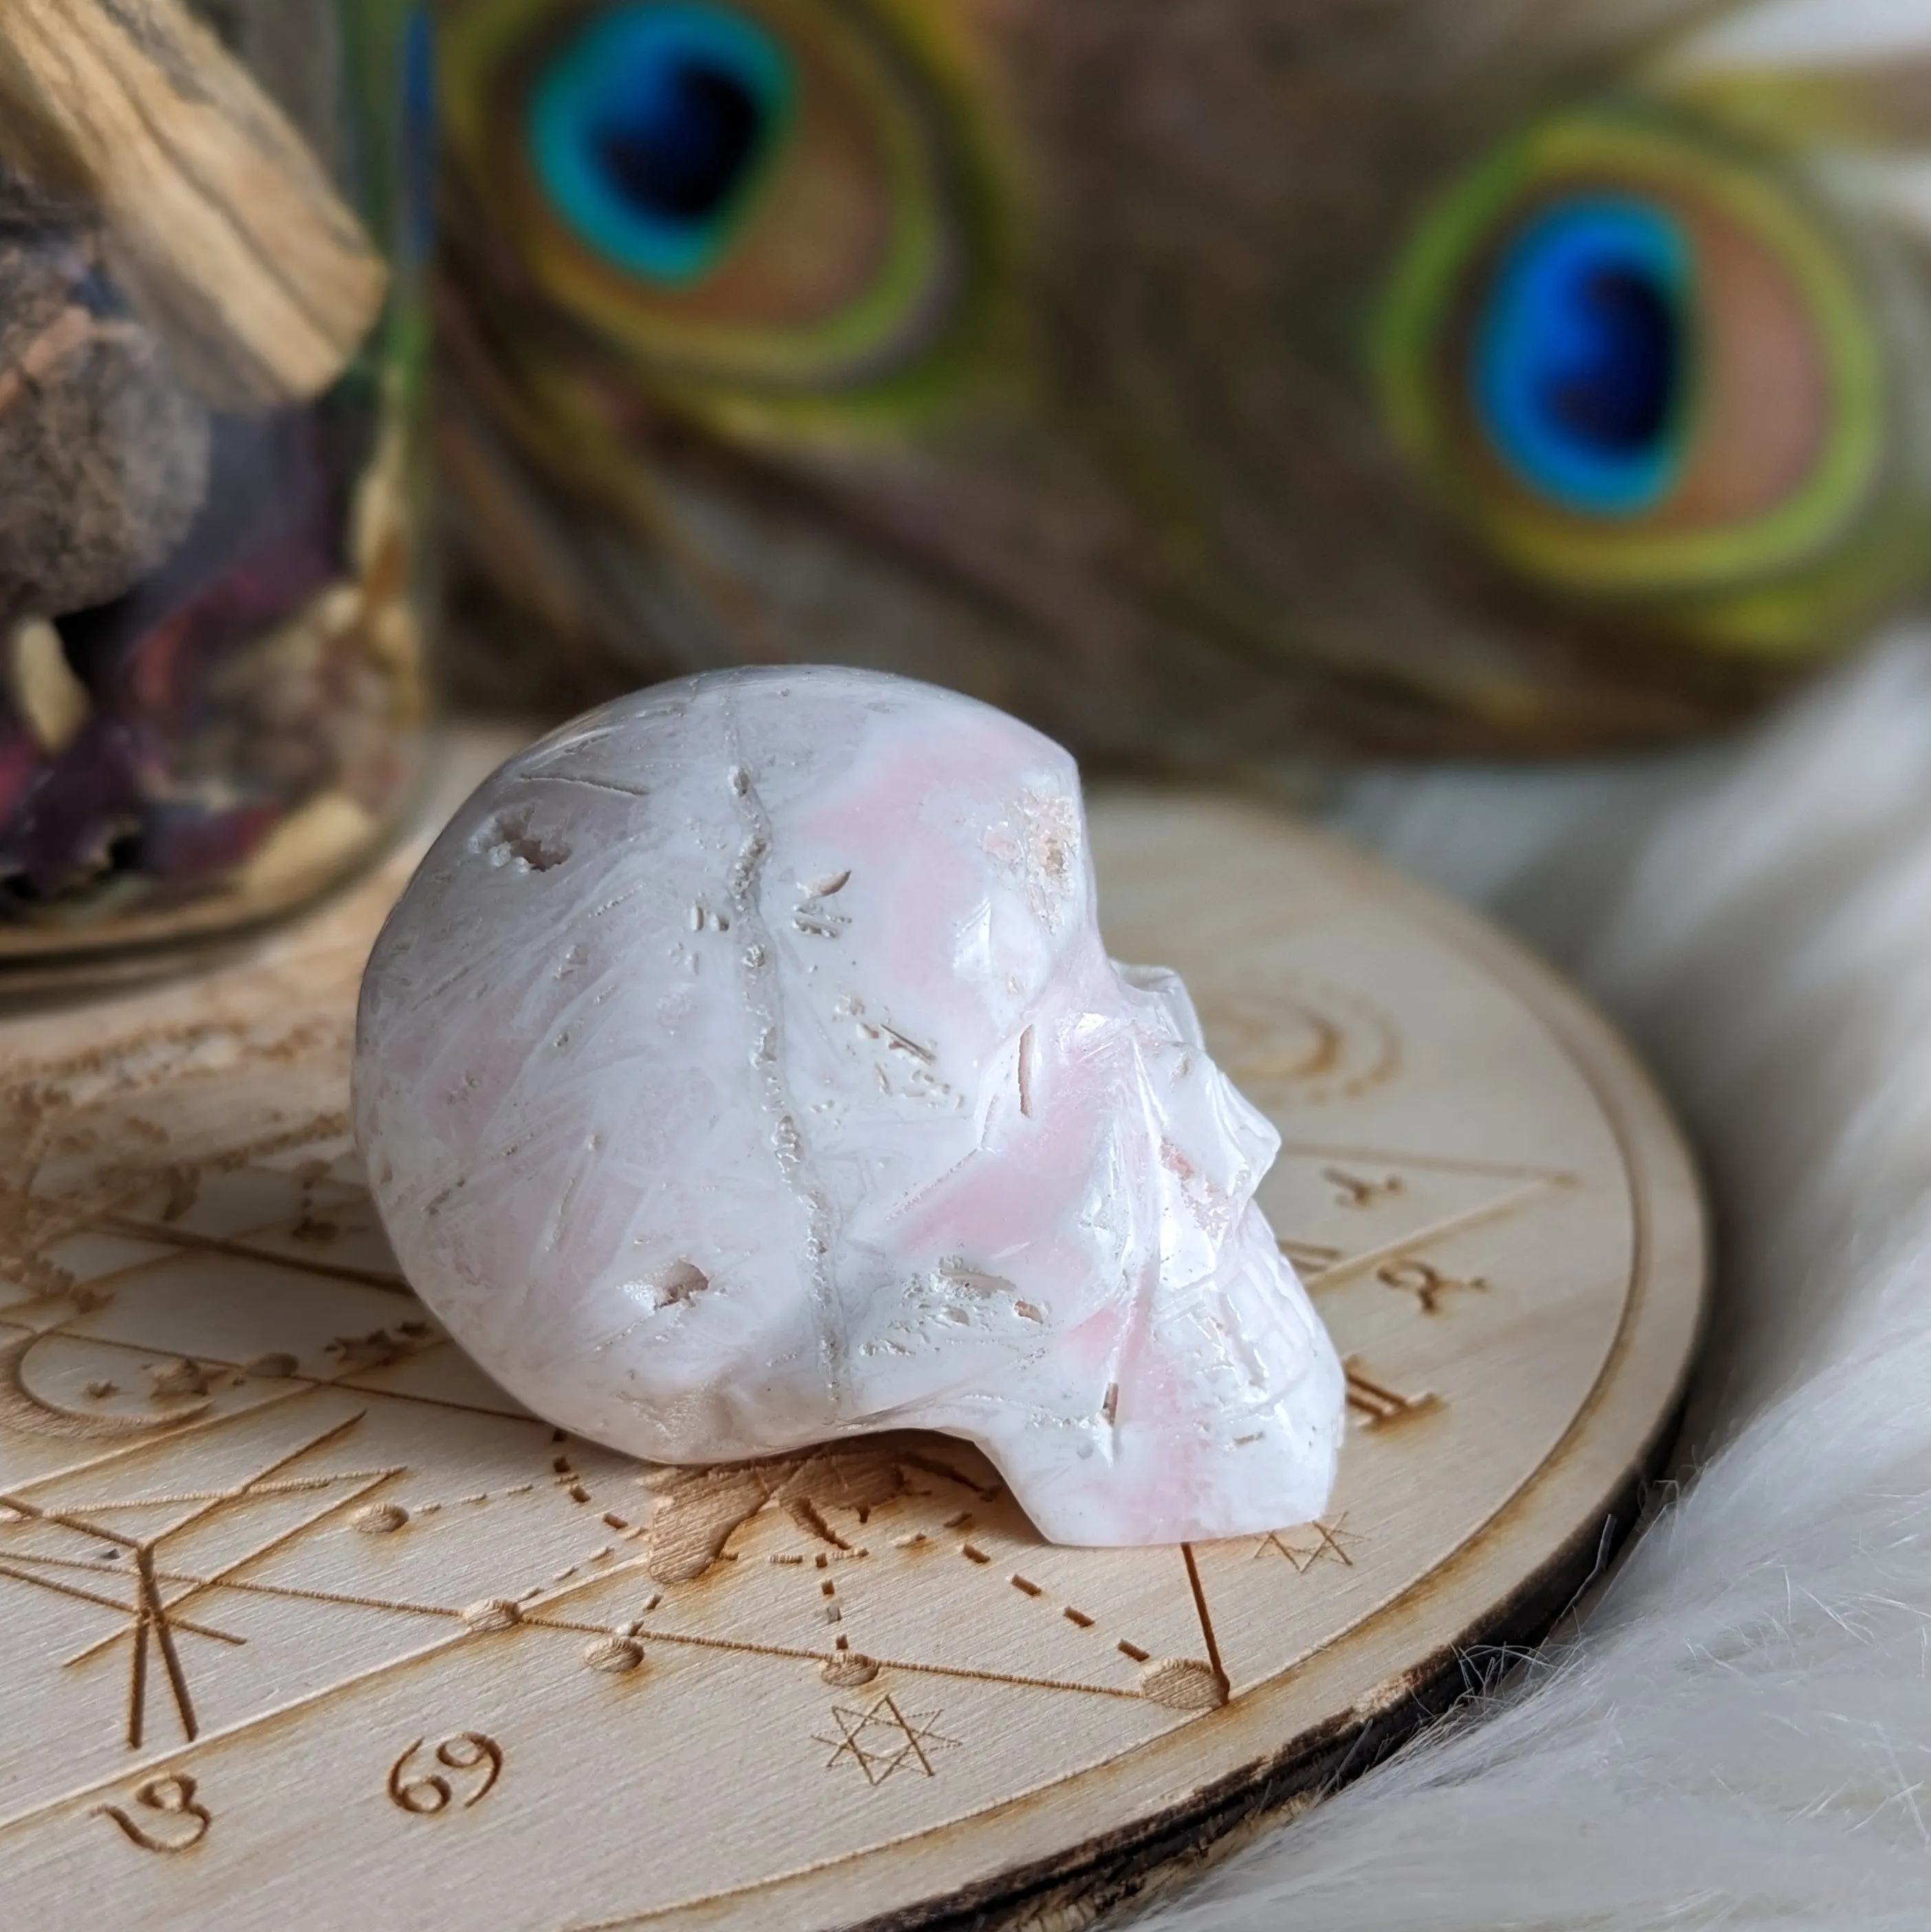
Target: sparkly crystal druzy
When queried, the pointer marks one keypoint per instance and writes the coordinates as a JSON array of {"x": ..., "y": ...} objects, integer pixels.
[{"x": 743, "y": 1068}]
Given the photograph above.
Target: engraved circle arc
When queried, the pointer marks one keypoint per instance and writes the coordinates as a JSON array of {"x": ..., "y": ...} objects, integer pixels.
[
  {"x": 1580, "y": 1039},
  {"x": 1534, "y": 986}
]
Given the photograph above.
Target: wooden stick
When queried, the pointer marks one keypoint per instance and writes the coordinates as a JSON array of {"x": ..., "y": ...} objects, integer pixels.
[{"x": 221, "y": 224}]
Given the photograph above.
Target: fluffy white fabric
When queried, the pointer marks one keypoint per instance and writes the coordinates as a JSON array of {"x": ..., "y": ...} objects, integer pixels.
[{"x": 1740, "y": 1735}]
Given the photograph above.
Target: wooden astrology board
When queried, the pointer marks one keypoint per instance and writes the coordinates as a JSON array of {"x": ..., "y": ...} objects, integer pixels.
[{"x": 305, "y": 1623}]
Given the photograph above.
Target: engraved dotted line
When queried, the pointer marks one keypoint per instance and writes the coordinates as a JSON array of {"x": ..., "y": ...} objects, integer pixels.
[
  {"x": 1027, "y": 1587},
  {"x": 846, "y": 1668},
  {"x": 381, "y": 1519}
]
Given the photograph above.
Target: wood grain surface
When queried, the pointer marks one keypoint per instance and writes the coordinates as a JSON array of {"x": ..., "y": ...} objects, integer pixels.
[{"x": 303, "y": 1623}]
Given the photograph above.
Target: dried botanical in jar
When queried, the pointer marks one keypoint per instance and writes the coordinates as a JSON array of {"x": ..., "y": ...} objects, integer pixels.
[{"x": 210, "y": 632}]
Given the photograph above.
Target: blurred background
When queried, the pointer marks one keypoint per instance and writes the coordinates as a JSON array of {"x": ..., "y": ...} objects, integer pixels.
[
  {"x": 1206, "y": 380},
  {"x": 1231, "y": 387}
]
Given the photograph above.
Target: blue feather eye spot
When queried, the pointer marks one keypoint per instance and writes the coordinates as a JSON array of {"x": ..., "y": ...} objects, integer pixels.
[
  {"x": 757, "y": 204},
  {"x": 1640, "y": 364},
  {"x": 650, "y": 129},
  {"x": 1581, "y": 355}
]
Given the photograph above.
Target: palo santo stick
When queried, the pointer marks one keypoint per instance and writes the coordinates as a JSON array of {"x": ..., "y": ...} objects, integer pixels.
[{"x": 221, "y": 225}]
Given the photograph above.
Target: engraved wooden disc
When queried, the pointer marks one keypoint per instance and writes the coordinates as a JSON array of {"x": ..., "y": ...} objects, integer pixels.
[{"x": 303, "y": 1623}]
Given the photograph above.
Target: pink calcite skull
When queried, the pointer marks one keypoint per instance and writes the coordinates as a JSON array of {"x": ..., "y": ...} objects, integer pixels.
[{"x": 743, "y": 1068}]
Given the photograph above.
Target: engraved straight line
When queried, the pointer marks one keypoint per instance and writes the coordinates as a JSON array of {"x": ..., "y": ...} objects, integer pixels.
[
  {"x": 137, "y": 1684},
  {"x": 93, "y": 1596},
  {"x": 14, "y": 1502},
  {"x": 200, "y": 1425},
  {"x": 1205, "y": 1620},
  {"x": 301, "y": 1528},
  {"x": 298, "y": 1593},
  {"x": 911, "y": 1737},
  {"x": 114, "y": 1277},
  {"x": 1453, "y": 1224},
  {"x": 154, "y": 1613},
  {"x": 220, "y": 1580},
  {"x": 421, "y": 1401},
  {"x": 824, "y": 1656},
  {"x": 246, "y": 1488},
  {"x": 311, "y": 1385},
  {"x": 161, "y": 1232},
  {"x": 62, "y": 1332},
  {"x": 69, "y": 1521},
  {"x": 1434, "y": 1163},
  {"x": 971, "y": 1676},
  {"x": 389, "y": 1665},
  {"x": 295, "y": 1485}
]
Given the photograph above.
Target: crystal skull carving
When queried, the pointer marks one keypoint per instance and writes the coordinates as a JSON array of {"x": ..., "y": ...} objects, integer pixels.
[{"x": 743, "y": 1068}]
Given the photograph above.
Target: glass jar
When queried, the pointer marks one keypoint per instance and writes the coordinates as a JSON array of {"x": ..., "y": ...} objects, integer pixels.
[{"x": 213, "y": 242}]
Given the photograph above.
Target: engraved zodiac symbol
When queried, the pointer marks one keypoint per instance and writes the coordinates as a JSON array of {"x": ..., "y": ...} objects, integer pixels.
[
  {"x": 1352, "y": 1190},
  {"x": 699, "y": 1510},
  {"x": 883, "y": 1739},
  {"x": 170, "y": 1797},
  {"x": 1377, "y": 1406},
  {"x": 1425, "y": 1282},
  {"x": 1310, "y": 1259},
  {"x": 1316, "y": 1042},
  {"x": 468, "y": 1751},
  {"x": 1310, "y": 1544},
  {"x": 31, "y": 1414}
]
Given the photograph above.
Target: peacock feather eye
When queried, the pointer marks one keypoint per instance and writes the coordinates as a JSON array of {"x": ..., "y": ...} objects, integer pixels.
[
  {"x": 1641, "y": 364},
  {"x": 745, "y": 199},
  {"x": 1581, "y": 368},
  {"x": 648, "y": 129}
]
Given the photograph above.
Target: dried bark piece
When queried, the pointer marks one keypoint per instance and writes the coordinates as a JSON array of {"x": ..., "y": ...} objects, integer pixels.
[{"x": 222, "y": 225}]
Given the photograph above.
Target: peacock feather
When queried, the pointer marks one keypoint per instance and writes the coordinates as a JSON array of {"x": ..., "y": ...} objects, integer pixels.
[
  {"x": 1200, "y": 377},
  {"x": 1646, "y": 364}
]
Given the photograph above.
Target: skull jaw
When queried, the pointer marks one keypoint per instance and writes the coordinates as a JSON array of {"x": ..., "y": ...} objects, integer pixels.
[
  {"x": 1222, "y": 1416},
  {"x": 1253, "y": 1473}
]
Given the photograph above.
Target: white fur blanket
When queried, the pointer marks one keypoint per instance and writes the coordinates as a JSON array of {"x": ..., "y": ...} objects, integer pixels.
[{"x": 1740, "y": 1736}]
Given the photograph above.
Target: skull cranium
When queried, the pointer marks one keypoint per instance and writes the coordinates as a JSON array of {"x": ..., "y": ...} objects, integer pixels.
[{"x": 743, "y": 1069}]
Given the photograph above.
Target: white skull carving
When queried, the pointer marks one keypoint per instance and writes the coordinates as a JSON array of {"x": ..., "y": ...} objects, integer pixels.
[{"x": 743, "y": 1068}]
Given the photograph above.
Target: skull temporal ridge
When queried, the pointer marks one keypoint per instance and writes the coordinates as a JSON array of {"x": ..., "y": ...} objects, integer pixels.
[{"x": 743, "y": 1068}]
